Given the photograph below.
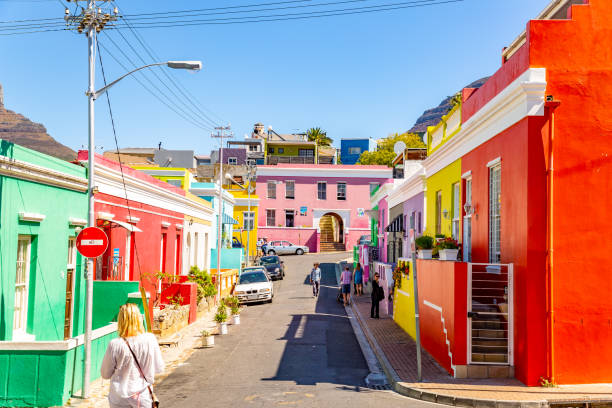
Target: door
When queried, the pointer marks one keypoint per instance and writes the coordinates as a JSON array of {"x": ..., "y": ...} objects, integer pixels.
[
  {"x": 490, "y": 314},
  {"x": 70, "y": 269},
  {"x": 22, "y": 278}
]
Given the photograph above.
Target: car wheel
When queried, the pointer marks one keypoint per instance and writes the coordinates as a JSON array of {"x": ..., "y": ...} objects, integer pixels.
[
  {"x": 300, "y": 251},
  {"x": 270, "y": 300},
  {"x": 271, "y": 252}
]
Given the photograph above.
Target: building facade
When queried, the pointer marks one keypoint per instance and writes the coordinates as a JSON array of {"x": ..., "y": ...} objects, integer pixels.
[
  {"x": 351, "y": 149},
  {"x": 321, "y": 206}
]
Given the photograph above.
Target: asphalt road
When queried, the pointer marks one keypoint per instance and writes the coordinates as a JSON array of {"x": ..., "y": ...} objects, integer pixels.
[{"x": 298, "y": 351}]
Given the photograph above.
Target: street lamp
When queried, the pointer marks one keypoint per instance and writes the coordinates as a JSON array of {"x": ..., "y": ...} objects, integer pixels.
[
  {"x": 92, "y": 96},
  {"x": 249, "y": 189}
]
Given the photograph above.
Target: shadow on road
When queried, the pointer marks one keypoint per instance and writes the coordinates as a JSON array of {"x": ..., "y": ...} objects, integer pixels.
[{"x": 321, "y": 347}]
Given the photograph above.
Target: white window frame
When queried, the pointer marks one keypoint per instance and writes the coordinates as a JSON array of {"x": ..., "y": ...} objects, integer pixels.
[
  {"x": 253, "y": 148},
  {"x": 128, "y": 254},
  {"x": 271, "y": 183},
  {"x": 232, "y": 160},
  {"x": 338, "y": 184},
  {"x": 456, "y": 216},
  {"x": 494, "y": 213},
  {"x": 20, "y": 325},
  {"x": 71, "y": 265},
  {"x": 248, "y": 220},
  {"x": 270, "y": 211},
  {"x": 467, "y": 222},
  {"x": 324, "y": 190},
  {"x": 351, "y": 150},
  {"x": 292, "y": 182}
]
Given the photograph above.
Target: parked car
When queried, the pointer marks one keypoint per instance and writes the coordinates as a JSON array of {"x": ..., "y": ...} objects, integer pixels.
[
  {"x": 254, "y": 285},
  {"x": 274, "y": 266},
  {"x": 285, "y": 248},
  {"x": 364, "y": 240}
]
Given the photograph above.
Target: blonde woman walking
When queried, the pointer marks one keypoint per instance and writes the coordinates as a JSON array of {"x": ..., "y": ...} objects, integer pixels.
[{"x": 131, "y": 362}]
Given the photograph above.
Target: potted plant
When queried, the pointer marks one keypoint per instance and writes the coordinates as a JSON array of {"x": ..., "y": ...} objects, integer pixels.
[
  {"x": 221, "y": 318},
  {"x": 425, "y": 245},
  {"x": 208, "y": 340},
  {"x": 235, "y": 314},
  {"x": 448, "y": 248}
]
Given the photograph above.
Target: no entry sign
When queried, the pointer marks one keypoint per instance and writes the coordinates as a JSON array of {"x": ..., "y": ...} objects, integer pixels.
[{"x": 91, "y": 242}]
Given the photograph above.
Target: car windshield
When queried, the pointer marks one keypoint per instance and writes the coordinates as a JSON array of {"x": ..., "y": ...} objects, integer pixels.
[
  {"x": 269, "y": 260},
  {"x": 253, "y": 277}
]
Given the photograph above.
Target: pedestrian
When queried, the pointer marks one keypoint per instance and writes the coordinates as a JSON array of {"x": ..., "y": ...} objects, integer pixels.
[
  {"x": 131, "y": 362},
  {"x": 378, "y": 294},
  {"x": 315, "y": 279},
  {"x": 358, "y": 275},
  {"x": 345, "y": 280}
]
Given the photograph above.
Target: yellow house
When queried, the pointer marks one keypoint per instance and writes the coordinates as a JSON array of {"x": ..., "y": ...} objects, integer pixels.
[
  {"x": 246, "y": 230},
  {"x": 177, "y": 176},
  {"x": 443, "y": 195}
]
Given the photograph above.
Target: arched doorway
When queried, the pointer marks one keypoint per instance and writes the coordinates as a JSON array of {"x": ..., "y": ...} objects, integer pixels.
[{"x": 332, "y": 233}]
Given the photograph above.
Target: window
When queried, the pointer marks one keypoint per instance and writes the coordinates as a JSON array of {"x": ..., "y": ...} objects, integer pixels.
[
  {"x": 305, "y": 152},
  {"x": 272, "y": 189},
  {"x": 419, "y": 223},
  {"x": 270, "y": 150},
  {"x": 289, "y": 218},
  {"x": 232, "y": 160},
  {"x": 290, "y": 189},
  {"x": 494, "y": 213},
  {"x": 248, "y": 220},
  {"x": 128, "y": 255},
  {"x": 322, "y": 190},
  {"x": 253, "y": 148},
  {"x": 341, "y": 194},
  {"x": 354, "y": 150},
  {"x": 70, "y": 272},
  {"x": 22, "y": 279},
  {"x": 281, "y": 150},
  {"x": 456, "y": 210},
  {"x": 467, "y": 224},
  {"x": 438, "y": 212},
  {"x": 270, "y": 218},
  {"x": 373, "y": 187}
]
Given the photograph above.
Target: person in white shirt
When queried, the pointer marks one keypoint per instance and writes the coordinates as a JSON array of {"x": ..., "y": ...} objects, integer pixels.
[{"x": 131, "y": 381}]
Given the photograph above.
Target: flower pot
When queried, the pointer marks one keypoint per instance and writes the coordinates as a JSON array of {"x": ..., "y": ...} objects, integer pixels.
[
  {"x": 208, "y": 341},
  {"x": 223, "y": 328},
  {"x": 236, "y": 319},
  {"x": 448, "y": 254},
  {"x": 424, "y": 253}
]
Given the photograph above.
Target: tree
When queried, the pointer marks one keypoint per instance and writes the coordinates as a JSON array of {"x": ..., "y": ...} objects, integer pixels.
[
  {"x": 318, "y": 135},
  {"x": 384, "y": 154}
]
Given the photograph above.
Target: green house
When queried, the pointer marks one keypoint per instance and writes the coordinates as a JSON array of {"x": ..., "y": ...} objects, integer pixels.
[{"x": 43, "y": 206}]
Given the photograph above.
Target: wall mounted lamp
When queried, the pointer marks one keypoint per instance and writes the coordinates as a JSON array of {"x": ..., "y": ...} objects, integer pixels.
[{"x": 445, "y": 213}]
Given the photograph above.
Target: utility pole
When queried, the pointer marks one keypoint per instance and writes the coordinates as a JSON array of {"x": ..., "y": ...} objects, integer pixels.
[
  {"x": 91, "y": 21},
  {"x": 220, "y": 135},
  {"x": 250, "y": 176},
  {"x": 416, "y": 297}
]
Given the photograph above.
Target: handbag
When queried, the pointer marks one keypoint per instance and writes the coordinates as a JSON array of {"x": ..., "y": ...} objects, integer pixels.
[{"x": 154, "y": 399}]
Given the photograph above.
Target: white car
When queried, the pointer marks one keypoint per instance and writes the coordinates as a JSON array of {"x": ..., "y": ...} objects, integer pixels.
[
  {"x": 254, "y": 285},
  {"x": 285, "y": 248}
]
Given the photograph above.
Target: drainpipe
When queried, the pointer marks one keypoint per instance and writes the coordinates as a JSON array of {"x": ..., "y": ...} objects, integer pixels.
[{"x": 551, "y": 105}]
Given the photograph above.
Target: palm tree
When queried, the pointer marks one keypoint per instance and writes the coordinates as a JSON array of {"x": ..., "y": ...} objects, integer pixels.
[{"x": 318, "y": 135}]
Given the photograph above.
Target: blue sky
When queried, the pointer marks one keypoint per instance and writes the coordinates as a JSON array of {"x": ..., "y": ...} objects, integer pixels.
[{"x": 354, "y": 76}]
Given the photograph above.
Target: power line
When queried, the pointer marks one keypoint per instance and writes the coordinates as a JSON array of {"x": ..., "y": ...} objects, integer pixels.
[{"x": 156, "y": 96}]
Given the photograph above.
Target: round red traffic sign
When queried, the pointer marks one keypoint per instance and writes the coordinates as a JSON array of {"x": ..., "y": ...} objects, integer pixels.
[{"x": 91, "y": 242}]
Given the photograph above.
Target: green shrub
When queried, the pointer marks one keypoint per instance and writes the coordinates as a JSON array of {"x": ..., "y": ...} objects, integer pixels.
[
  {"x": 424, "y": 242},
  {"x": 202, "y": 278},
  {"x": 221, "y": 315}
]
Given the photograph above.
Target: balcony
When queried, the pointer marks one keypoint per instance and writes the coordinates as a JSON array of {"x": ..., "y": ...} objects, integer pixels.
[{"x": 290, "y": 160}]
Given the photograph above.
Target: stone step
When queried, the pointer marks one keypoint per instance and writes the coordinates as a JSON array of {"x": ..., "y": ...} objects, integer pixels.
[
  {"x": 489, "y": 358},
  {"x": 488, "y": 333}
]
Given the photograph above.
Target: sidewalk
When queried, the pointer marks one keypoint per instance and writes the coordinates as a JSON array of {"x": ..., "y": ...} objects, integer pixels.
[
  {"x": 396, "y": 352},
  {"x": 188, "y": 340}
]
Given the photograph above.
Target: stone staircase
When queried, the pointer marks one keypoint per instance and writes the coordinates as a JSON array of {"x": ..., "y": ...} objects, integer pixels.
[{"x": 332, "y": 246}]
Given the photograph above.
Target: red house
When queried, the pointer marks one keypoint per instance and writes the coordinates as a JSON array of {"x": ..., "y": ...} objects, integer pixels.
[{"x": 535, "y": 148}]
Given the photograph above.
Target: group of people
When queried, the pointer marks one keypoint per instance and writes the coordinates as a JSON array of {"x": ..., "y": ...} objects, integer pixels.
[{"x": 346, "y": 279}]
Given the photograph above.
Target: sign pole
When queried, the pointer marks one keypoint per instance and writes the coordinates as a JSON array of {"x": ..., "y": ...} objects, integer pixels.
[{"x": 416, "y": 299}]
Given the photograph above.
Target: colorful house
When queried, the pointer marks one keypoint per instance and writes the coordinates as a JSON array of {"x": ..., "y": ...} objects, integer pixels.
[
  {"x": 246, "y": 210},
  {"x": 321, "y": 206},
  {"x": 530, "y": 299},
  {"x": 351, "y": 148},
  {"x": 43, "y": 206}
]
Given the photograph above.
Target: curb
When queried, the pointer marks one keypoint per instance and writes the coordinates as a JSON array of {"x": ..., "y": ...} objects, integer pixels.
[{"x": 416, "y": 393}]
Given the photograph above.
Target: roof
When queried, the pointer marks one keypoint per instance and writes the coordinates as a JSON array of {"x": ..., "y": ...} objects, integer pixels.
[
  {"x": 325, "y": 166},
  {"x": 291, "y": 142},
  {"x": 135, "y": 150}
]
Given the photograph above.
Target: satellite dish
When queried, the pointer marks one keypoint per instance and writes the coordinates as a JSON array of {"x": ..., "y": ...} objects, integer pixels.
[{"x": 399, "y": 147}]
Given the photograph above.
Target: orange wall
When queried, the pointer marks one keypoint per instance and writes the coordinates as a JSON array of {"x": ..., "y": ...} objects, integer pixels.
[
  {"x": 577, "y": 55},
  {"x": 443, "y": 284}
]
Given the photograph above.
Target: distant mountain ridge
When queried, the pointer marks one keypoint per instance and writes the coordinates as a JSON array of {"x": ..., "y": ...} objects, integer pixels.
[
  {"x": 20, "y": 130},
  {"x": 432, "y": 116}
]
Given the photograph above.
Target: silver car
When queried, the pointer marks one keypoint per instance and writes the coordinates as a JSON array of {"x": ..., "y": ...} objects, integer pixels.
[{"x": 285, "y": 248}]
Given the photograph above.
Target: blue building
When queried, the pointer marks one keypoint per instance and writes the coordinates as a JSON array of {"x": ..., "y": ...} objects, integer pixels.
[{"x": 351, "y": 149}]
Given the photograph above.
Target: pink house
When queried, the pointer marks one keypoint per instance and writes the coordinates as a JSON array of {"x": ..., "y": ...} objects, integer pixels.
[{"x": 321, "y": 206}]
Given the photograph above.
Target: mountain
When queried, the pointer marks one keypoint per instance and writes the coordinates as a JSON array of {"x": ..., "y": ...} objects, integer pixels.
[
  {"x": 432, "y": 116},
  {"x": 20, "y": 130}
]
